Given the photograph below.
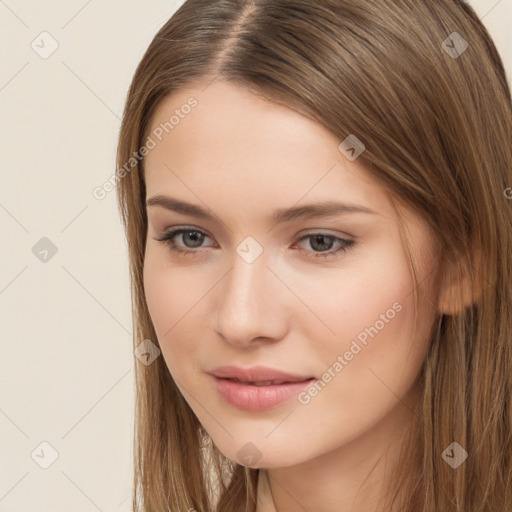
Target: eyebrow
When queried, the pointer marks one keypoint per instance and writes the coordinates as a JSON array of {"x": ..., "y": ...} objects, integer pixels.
[{"x": 308, "y": 211}]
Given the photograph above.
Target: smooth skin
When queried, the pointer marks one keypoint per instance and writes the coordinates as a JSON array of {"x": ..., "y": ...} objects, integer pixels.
[{"x": 242, "y": 157}]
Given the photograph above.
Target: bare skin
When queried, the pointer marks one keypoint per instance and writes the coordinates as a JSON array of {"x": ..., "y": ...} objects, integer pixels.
[{"x": 243, "y": 157}]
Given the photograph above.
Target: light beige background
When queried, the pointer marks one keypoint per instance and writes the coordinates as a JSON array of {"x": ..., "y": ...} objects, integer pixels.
[{"x": 66, "y": 364}]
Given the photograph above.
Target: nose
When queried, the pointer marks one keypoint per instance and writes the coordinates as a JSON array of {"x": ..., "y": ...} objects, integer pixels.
[{"x": 251, "y": 304}]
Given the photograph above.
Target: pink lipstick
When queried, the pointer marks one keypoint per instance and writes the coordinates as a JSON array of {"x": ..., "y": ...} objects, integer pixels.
[{"x": 257, "y": 388}]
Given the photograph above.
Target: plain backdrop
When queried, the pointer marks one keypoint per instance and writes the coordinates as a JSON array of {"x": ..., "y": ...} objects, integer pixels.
[{"x": 66, "y": 363}]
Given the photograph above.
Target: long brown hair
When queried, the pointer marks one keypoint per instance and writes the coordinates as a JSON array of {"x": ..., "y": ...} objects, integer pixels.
[{"x": 422, "y": 84}]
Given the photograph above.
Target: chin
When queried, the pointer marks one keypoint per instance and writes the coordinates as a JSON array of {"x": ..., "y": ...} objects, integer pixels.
[{"x": 255, "y": 456}]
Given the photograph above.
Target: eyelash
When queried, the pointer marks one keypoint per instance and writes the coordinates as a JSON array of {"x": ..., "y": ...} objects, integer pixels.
[{"x": 167, "y": 239}]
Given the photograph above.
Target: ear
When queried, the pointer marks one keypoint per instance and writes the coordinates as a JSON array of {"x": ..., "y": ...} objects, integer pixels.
[{"x": 461, "y": 285}]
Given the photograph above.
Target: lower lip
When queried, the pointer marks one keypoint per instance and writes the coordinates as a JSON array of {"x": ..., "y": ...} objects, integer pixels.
[{"x": 258, "y": 398}]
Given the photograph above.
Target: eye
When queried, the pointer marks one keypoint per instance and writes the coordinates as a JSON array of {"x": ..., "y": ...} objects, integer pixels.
[
  {"x": 193, "y": 238},
  {"x": 325, "y": 241}
]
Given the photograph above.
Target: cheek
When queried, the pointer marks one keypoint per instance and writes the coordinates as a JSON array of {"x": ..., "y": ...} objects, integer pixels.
[
  {"x": 372, "y": 366},
  {"x": 170, "y": 296},
  {"x": 376, "y": 353},
  {"x": 375, "y": 304},
  {"x": 159, "y": 297},
  {"x": 367, "y": 297}
]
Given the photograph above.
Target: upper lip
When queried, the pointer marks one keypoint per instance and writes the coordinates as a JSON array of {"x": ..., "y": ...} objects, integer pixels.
[{"x": 256, "y": 374}]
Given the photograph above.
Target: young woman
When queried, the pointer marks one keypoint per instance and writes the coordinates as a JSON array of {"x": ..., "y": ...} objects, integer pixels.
[{"x": 317, "y": 202}]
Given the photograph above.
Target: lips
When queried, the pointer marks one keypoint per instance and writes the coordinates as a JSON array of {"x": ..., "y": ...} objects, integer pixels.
[
  {"x": 257, "y": 375},
  {"x": 257, "y": 397}
]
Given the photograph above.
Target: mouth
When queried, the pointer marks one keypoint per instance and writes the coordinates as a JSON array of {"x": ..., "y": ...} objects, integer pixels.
[
  {"x": 266, "y": 383},
  {"x": 257, "y": 396},
  {"x": 257, "y": 375}
]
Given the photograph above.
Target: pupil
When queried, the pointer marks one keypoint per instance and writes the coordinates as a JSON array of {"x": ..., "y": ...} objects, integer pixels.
[
  {"x": 322, "y": 242},
  {"x": 196, "y": 237}
]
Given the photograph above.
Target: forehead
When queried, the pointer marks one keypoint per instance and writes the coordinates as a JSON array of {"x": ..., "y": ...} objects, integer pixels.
[
  {"x": 250, "y": 152},
  {"x": 229, "y": 118}
]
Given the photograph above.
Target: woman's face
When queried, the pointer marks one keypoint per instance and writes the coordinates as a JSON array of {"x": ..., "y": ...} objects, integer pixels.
[{"x": 328, "y": 297}]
